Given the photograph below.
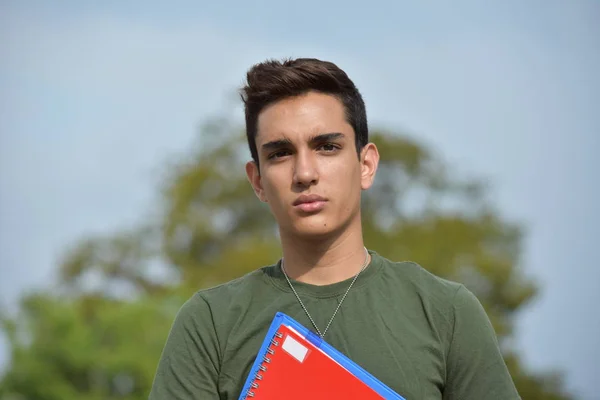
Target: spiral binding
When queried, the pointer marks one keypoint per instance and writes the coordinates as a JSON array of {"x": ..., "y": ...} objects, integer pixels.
[{"x": 263, "y": 368}]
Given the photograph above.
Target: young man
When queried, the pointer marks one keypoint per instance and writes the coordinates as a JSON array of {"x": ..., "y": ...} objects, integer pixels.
[{"x": 425, "y": 337}]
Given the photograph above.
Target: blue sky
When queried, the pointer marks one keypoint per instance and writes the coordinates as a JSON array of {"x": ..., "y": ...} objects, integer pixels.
[{"x": 94, "y": 98}]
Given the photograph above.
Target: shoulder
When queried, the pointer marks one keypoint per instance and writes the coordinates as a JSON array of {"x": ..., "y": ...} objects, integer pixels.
[
  {"x": 210, "y": 303},
  {"x": 232, "y": 291},
  {"x": 460, "y": 309},
  {"x": 440, "y": 299},
  {"x": 414, "y": 278}
]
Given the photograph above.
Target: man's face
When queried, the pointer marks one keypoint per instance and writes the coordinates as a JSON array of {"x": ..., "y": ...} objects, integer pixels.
[{"x": 310, "y": 173}]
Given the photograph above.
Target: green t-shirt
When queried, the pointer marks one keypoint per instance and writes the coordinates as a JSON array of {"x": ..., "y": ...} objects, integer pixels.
[{"x": 423, "y": 336}]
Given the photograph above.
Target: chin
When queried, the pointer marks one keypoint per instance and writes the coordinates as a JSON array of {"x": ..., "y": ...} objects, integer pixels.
[{"x": 314, "y": 229}]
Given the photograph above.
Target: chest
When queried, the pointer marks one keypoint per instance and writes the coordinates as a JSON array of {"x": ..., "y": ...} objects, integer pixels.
[{"x": 399, "y": 350}]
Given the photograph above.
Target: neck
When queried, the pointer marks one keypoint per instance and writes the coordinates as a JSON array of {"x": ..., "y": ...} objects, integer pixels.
[{"x": 324, "y": 261}]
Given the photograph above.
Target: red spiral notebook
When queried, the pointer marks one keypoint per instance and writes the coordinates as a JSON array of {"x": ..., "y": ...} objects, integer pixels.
[{"x": 294, "y": 363}]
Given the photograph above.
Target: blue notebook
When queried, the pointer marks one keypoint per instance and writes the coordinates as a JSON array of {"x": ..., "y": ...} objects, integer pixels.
[{"x": 295, "y": 363}]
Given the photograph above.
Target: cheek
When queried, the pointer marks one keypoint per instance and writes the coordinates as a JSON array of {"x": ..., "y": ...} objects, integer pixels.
[
  {"x": 345, "y": 185},
  {"x": 275, "y": 188}
]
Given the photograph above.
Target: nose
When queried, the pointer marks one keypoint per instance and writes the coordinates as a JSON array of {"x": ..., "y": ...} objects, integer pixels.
[{"x": 305, "y": 170}]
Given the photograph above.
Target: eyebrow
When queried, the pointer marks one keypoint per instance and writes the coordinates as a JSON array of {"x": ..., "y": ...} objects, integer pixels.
[
  {"x": 276, "y": 144},
  {"x": 323, "y": 137}
]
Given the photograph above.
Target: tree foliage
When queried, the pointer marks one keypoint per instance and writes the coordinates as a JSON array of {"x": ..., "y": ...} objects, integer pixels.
[{"x": 100, "y": 335}]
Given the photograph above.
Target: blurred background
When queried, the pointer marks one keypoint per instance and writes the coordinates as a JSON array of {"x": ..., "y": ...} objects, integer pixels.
[{"x": 122, "y": 190}]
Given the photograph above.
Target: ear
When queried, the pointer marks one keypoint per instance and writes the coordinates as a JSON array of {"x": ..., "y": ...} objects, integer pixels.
[
  {"x": 369, "y": 163},
  {"x": 253, "y": 174}
]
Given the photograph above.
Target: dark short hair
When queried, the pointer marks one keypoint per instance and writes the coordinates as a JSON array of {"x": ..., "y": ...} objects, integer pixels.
[{"x": 272, "y": 80}]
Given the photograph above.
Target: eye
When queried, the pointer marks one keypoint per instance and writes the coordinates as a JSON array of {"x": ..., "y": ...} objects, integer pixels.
[
  {"x": 329, "y": 147},
  {"x": 278, "y": 154}
]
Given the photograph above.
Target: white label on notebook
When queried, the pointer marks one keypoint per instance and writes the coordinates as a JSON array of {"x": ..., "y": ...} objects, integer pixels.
[{"x": 294, "y": 348}]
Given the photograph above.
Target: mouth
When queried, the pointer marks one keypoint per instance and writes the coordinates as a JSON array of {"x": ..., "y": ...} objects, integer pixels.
[{"x": 310, "y": 203}]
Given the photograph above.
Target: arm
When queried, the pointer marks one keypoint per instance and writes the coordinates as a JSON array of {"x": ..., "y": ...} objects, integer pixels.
[
  {"x": 475, "y": 366},
  {"x": 189, "y": 365}
]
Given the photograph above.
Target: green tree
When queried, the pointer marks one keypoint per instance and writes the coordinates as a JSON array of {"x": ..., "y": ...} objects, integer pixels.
[{"x": 100, "y": 335}]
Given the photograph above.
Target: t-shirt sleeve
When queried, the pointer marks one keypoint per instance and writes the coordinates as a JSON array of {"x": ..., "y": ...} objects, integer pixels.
[
  {"x": 189, "y": 364},
  {"x": 475, "y": 366}
]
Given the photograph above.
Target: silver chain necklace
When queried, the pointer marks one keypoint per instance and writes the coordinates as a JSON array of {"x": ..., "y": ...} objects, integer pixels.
[{"x": 339, "y": 305}]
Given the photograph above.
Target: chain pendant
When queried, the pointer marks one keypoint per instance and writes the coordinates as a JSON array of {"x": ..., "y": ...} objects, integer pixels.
[{"x": 322, "y": 335}]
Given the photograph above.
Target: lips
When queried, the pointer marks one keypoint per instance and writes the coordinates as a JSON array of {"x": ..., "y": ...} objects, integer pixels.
[{"x": 310, "y": 203}]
